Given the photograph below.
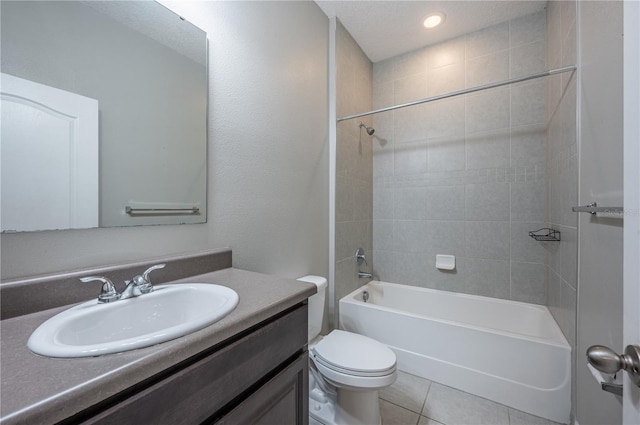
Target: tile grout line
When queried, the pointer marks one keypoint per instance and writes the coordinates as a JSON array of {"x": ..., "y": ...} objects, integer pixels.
[
  {"x": 424, "y": 403},
  {"x": 400, "y": 407}
]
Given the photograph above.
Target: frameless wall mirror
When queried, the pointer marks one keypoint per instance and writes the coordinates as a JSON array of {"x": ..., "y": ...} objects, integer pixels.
[{"x": 104, "y": 115}]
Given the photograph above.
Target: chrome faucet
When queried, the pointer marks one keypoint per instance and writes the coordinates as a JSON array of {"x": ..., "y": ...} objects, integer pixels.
[
  {"x": 140, "y": 285},
  {"x": 363, "y": 275},
  {"x": 137, "y": 286}
]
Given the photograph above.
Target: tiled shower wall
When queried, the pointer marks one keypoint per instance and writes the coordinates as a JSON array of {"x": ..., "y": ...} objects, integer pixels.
[
  {"x": 464, "y": 176},
  {"x": 354, "y": 164},
  {"x": 562, "y": 170}
]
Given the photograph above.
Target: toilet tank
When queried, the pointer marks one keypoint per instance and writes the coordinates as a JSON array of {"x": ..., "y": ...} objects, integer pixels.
[{"x": 316, "y": 304}]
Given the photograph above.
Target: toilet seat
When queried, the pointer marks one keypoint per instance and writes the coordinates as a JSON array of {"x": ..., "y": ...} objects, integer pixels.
[{"x": 348, "y": 359}]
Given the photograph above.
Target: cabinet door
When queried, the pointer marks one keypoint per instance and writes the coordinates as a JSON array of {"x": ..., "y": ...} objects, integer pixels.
[
  {"x": 201, "y": 390},
  {"x": 283, "y": 400}
]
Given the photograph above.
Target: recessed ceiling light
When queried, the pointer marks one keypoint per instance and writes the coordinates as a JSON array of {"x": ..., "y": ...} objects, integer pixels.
[{"x": 433, "y": 20}]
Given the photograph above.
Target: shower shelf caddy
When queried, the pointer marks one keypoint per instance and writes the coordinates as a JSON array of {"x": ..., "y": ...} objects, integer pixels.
[{"x": 546, "y": 234}]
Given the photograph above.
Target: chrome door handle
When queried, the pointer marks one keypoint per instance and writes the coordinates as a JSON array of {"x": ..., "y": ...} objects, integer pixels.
[{"x": 606, "y": 360}]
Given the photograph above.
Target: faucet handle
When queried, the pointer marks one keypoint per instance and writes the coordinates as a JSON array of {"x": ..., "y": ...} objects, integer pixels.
[
  {"x": 108, "y": 292},
  {"x": 146, "y": 273},
  {"x": 143, "y": 282},
  {"x": 360, "y": 257}
]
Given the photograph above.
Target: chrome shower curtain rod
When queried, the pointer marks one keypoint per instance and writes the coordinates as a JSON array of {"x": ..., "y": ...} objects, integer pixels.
[{"x": 464, "y": 91}]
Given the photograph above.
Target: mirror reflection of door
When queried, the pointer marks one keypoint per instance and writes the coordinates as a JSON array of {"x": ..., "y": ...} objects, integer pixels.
[{"x": 49, "y": 140}]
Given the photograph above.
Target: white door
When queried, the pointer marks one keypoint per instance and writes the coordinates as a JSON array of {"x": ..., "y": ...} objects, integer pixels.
[
  {"x": 631, "y": 397},
  {"x": 49, "y": 157},
  {"x": 600, "y": 264}
]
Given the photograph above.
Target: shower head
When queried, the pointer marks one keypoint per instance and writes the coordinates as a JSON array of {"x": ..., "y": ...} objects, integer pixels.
[{"x": 370, "y": 130}]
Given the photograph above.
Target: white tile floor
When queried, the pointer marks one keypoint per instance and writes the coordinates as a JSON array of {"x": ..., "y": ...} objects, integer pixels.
[{"x": 417, "y": 401}]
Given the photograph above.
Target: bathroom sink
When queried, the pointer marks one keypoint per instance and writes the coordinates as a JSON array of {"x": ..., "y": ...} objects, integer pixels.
[{"x": 170, "y": 311}]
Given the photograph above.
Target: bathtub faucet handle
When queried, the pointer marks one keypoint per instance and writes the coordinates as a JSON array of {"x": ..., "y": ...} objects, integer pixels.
[{"x": 360, "y": 257}]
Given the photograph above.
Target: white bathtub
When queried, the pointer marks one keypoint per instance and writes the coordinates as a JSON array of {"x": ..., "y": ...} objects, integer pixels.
[{"x": 510, "y": 352}]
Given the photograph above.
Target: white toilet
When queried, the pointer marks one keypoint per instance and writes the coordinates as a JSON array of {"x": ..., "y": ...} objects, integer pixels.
[{"x": 346, "y": 370}]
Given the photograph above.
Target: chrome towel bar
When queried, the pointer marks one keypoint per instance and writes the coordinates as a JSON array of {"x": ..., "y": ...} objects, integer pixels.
[
  {"x": 129, "y": 210},
  {"x": 594, "y": 209}
]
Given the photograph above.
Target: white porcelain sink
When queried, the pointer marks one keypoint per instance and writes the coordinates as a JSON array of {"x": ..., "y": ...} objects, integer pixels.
[{"x": 170, "y": 311}]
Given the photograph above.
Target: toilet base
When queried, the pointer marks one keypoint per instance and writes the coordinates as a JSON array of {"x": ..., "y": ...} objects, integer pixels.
[
  {"x": 357, "y": 407},
  {"x": 322, "y": 413},
  {"x": 347, "y": 408}
]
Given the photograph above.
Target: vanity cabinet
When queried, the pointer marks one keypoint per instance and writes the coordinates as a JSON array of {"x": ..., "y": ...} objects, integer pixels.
[{"x": 257, "y": 377}]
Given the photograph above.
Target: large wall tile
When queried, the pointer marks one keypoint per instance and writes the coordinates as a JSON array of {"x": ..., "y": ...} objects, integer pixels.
[
  {"x": 554, "y": 292},
  {"x": 409, "y": 236},
  {"x": 523, "y": 247},
  {"x": 382, "y": 95},
  {"x": 383, "y": 161},
  {"x": 487, "y": 239},
  {"x": 410, "y": 64},
  {"x": 569, "y": 256},
  {"x": 383, "y": 200},
  {"x": 410, "y": 124},
  {"x": 445, "y": 79},
  {"x": 562, "y": 171},
  {"x": 487, "y": 202},
  {"x": 354, "y": 161},
  {"x": 528, "y": 201},
  {"x": 488, "y": 111},
  {"x": 384, "y": 266},
  {"x": 488, "y": 150},
  {"x": 467, "y": 176},
  {"x": 569, "y": 46},
  {"x": 568, "y": 308},
  {"x": 410, "y": 158},
  {"x": 487, "y": 41},
  {"x": 528, "y": 283},
  {"x": 528, "y": 146},
  {"x": 410, "y": 203},
  {"x": 410, "y": 268},
  {"x": 383, "y": 72},
  {"x": 488, "y": 69},
  {"x": 444, "y": 237},
  {"x": 528, "y": 29},
  {"x": 445, "y": 118},
  {"x": 410, "y": 88},
  {"x": 447, "y": 280},
  {"x": 445, "y": 202},
  {"x": 346, "y": 277},
  {"x": 382, "y": 235},
  {"x": 527, "y": 103},
  {"x": 528, "y": 59},
  {"x": 489, "y": 278},
  {"x": 447, "y": 53},
  {"x": 446, "y": 154}
]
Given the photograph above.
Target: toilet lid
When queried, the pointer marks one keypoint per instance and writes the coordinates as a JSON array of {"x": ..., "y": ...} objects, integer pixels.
[{"x": 356, "y": 354}]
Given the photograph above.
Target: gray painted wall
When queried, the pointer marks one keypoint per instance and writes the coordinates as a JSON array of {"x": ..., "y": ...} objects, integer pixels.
[
  {"x": 600, "y": 282},
  {"x": 267, "y": 154}
]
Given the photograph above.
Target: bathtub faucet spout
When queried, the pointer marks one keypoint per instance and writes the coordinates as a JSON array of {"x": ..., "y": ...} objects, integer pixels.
[{"x": 363, "y": 275}]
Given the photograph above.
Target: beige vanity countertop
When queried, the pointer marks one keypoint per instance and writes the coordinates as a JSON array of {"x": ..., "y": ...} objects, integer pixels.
[{"x": 42, "y": 390}]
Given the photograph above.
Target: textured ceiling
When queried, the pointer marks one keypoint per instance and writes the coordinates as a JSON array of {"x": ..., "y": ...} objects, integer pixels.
[{"x": 384, "y": 29}]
